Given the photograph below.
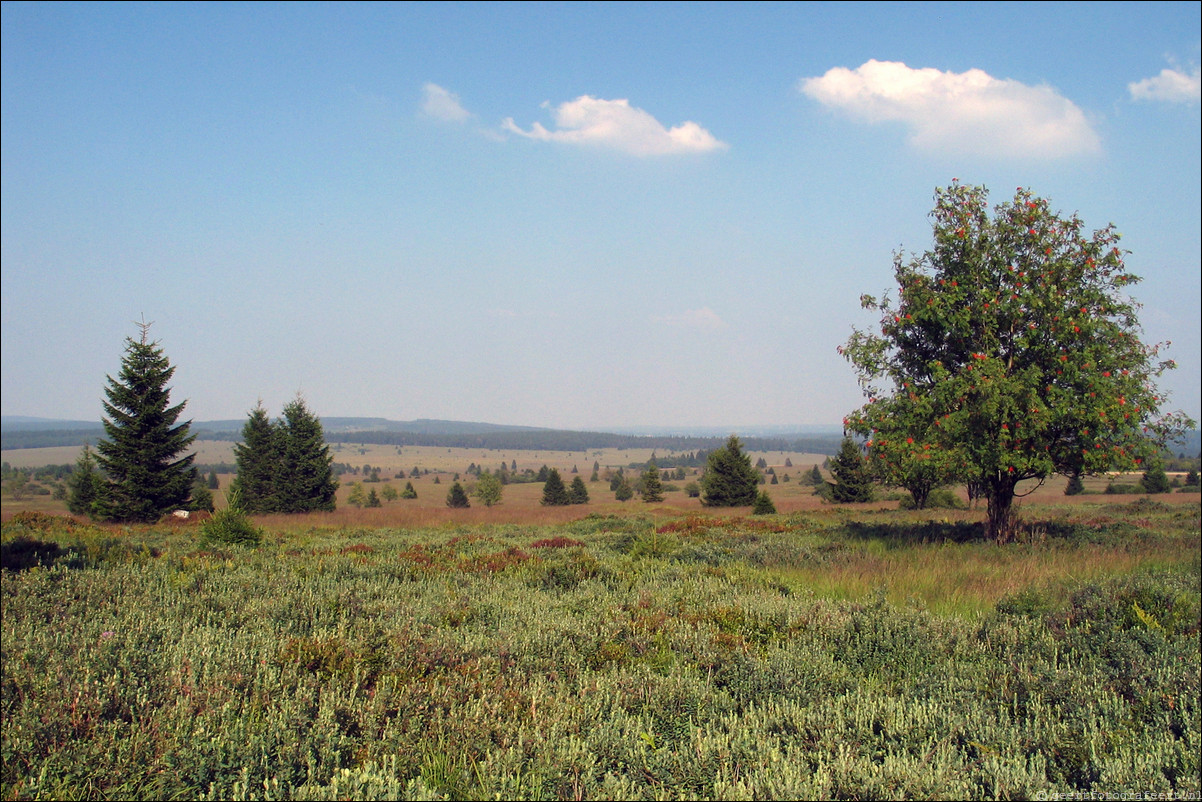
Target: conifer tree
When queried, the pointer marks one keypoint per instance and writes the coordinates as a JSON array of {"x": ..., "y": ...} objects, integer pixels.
[
  {"x": 729, "y": 479},
  {"x": 653, "y": 488},
  {"x": 852, "y": 481},
  {"x": 763, "y": 504},
  {"x": 141, "y": 455},
  {"x": 555, "y": 494},
  {"x": 623, "y": 491},
  {"x": 307, "y": 472},
  {"x": 260, "y": 461},
  {"x": 457, "y": 498},
  {"x": 578, "y": 493},
  {"x": 85, "y": 484}
]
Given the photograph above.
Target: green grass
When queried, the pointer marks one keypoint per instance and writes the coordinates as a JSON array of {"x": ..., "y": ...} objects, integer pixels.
[{"x": 825, "y": 655}]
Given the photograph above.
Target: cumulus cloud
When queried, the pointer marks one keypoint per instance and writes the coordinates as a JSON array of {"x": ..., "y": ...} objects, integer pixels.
[
  {"x": 704, "y": 318},
  {"x": 440, "y": 104},
  {"x": 968, "y": 112},
  {"x": 1173, "y": 86},
  {"x": 618, "y": 125}
]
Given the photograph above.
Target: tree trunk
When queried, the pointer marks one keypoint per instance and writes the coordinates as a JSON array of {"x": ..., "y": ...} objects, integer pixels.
[{"x": 1002, "y": 523}]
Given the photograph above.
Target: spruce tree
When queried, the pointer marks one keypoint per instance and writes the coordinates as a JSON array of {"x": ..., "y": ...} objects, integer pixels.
[
  {"x": 259, "y": 458},
  {"x": 85, "y": 484},
  {"x": 555, "y": 494},
  {"x": 763, "y": 504},
  {"x": 623, "y": 491},
  {"x": 729, "y": 479},
  {"x": 653, "y": 488},
  {"x": 141, "y": 455},
  {"x": 578, "y": 492},
  {"x": 307, "y": 481},
  {"x": 457, "y": 498},
  {"x": 852, "y": 482}
]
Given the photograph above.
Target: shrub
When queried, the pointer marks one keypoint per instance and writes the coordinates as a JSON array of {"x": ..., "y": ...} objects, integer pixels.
[
  {"x": 763, "y": 505},
  {"x": 231, "y": 526}
]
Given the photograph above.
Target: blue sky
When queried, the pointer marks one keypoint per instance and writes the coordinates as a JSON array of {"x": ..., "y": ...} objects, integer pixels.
[{"x": 577, "y": 216}]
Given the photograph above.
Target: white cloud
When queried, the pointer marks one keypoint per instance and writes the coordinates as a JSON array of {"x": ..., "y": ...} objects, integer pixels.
[
  {"x": 440, "y": 104},
  {"x": 704, "y": 318},
  {"x": 616, "y": 124},
  {"x": 968, "y": 112},
  {"x": 1174, "y": 86}
]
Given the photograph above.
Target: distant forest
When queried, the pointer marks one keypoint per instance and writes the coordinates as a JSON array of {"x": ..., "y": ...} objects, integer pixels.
[
  {"x": 507, "y": 438},
  {"x": 457, "y": 434}
]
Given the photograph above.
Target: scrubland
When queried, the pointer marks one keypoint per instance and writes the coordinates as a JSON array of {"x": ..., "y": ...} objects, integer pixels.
[{"x": 607, "y": 652}]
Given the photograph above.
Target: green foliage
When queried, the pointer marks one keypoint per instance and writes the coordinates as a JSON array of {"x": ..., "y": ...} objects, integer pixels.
[
  {"x": 202, "y": 497},
  {"x": 457, "y": 498},
  {"x": 729, "y": 479},
  {"x": 306, "y": 482},
  {"x": 605, "y": 659},
  {"x": 555, "y": 493},
  {"x": 1012, "y": 353},
  {"x": 409, "y": 492},
  {"x": 1075, "y": 486},
  {"x": 623, "y": 490},
  {"x": 853, "y": 481},
  {"x": 259, "y": 458},
  {"x": 140, "y": 456},
  {"x": 285, "y": 465},
  {"x": 653, "y": 488},
  {"x": 85, "y": 484},
  {"x": 577, "y": 491},
  {"x": 763, "y": 504},
  {"x": 488, "y": 489},
  {"x": 373, "y": 499},
  {"x": 230, "y": 526},
  {"x": 1156, "y": 481}
]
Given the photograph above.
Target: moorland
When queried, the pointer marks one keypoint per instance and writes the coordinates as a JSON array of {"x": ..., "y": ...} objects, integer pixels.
[{"x": 612, "y": 650}]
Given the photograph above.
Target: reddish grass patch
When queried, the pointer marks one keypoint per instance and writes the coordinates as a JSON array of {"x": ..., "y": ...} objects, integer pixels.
[{"x": 559, "y": 542}]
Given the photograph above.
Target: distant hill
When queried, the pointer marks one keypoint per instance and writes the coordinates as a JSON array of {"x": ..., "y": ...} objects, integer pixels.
[
  {"x": 24, "y": 432},
  {"x": 28, "y": 432}
]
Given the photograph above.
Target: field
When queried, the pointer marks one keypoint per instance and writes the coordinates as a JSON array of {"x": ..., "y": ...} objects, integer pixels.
[{"x": 605, "y": 651}]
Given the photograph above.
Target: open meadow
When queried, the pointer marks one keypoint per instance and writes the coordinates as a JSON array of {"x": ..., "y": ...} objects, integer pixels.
[{"x": 606, "y": 651}]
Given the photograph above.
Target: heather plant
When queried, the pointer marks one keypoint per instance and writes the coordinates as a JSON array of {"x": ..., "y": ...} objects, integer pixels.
[{"x": 607, "y": 658}]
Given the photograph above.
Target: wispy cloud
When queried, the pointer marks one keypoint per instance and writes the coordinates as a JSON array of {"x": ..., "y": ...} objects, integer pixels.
[
  {"x": 1173, "y": 86},
  {"x": 618, "y": 125},
  {"x": 704, "y": 318},
  {"x": 968, "y": 112},
  {"x": 440, "y": 104}
]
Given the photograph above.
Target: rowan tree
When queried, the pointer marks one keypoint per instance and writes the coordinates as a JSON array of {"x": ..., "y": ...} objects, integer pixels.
[
  {"x": 1012, "y": 352},
  {"x": 146, "y": 476}
]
